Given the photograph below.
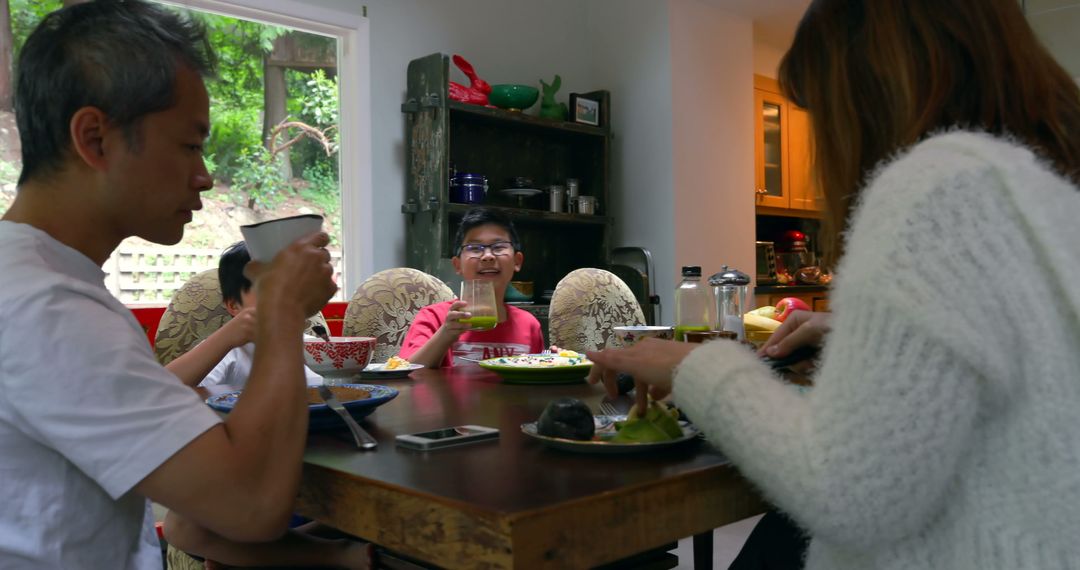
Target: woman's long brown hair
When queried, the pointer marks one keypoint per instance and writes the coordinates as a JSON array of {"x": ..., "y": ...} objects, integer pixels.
[{"x": 879, "y": 75}]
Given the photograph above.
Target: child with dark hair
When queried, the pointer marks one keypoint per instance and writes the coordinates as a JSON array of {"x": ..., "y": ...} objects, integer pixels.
[
  {"x": 488, "y": 248},
  {"x": 225, "y": 357}
]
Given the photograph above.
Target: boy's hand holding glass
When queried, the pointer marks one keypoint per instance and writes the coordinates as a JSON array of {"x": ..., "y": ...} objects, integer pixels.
[
  {"x": 453, "y": 324},
  {"x": 479, "y": 298}
]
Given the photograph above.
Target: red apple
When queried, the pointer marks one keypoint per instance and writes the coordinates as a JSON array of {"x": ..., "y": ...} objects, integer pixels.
[{"x": 789, "y": 304}]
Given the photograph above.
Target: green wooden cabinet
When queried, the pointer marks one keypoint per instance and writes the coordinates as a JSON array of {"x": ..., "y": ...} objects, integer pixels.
[{"x": 501, "y": 144}]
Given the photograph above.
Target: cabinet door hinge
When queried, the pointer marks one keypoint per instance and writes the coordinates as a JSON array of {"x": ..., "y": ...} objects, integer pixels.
[{"x": 412, "y": 207}]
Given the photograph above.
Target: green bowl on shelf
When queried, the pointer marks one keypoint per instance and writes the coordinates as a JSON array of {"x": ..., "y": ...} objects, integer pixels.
[{"x": 513, "y": 97}]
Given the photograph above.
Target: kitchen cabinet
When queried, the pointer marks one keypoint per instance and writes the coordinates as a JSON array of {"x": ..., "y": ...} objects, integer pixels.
[
  {"x": 501, "y": 144},
  {"x": 783, "y": 181}
]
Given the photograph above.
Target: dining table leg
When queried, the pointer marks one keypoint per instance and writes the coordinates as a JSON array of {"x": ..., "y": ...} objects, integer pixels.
[{"x": 703, "y": 551}]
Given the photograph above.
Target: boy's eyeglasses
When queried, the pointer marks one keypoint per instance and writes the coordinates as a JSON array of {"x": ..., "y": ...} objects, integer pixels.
[{"x": 498, "y": 248}]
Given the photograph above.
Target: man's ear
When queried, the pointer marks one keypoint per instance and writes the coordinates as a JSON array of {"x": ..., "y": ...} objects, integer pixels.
[
  {"x": 233, "y": 306},
  {"x": 519, "y": 258},
  {"x": 88, "y": 128},
  {"x": 457, "y": 264}
]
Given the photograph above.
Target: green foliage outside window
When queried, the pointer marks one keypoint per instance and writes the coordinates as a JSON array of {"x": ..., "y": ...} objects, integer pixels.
[
  {"x": 258, "y": 175},
  {"x": 25, "y": 16}
]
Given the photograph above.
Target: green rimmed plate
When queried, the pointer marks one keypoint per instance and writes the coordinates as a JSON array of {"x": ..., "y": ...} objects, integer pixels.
[{"x": 538, "y": 369}]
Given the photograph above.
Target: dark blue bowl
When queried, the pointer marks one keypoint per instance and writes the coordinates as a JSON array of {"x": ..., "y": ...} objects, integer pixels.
[{"x": 322, "y": 417}]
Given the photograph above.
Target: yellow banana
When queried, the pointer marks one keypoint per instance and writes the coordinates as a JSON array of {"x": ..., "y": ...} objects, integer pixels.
[
  {"x": 768, "y": 311},
  {"x": 754, "y": 322}
]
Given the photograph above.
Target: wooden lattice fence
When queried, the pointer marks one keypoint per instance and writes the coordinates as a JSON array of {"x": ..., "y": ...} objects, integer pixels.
[{"x": 151, "y": 274}]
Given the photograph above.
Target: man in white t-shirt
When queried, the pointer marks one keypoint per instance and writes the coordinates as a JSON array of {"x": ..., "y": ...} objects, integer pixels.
[
  {"x": 112, "y": 114},
  {"x": 223, "y": 360}
]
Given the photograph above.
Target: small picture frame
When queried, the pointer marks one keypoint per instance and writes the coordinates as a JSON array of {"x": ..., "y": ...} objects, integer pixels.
[{"x": 584, "y": 110}]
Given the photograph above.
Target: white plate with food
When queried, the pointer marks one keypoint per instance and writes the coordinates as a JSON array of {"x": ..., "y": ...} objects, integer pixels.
[{"x": 393, "y": 368}]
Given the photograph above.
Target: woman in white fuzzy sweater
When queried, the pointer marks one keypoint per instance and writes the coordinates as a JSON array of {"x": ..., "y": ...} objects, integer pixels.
[{"x": 944, "y": 428}]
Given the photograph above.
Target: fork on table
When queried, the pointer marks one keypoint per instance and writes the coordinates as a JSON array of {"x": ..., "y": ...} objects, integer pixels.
[{"x": 363, "y": 439}]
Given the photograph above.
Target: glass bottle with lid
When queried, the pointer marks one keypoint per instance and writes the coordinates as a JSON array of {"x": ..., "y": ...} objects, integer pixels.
[
  {"x": 694, "y": 306},
  {"x": 731, "y": 288}
]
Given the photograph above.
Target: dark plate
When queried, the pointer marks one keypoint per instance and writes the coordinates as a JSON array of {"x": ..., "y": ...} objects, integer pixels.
[
  {"x": 605, "y": 429},
  {"x": 322, "y": 417}
]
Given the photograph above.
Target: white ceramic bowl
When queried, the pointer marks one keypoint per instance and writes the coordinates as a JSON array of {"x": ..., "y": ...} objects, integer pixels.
[
  {"x": 343, "y": 356},
  {"x": 628, "y": 335},
  {"x": 265, "y": 239}
]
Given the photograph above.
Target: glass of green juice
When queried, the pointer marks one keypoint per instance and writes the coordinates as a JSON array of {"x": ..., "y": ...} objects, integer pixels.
[{"x": 479, "y": 294}]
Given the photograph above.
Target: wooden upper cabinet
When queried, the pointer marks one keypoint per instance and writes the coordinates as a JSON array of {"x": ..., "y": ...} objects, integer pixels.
[
  {"x": 783, "y": 181},
  {"x": 804, "y": 194},
  {"x": 772, "y": 180}
]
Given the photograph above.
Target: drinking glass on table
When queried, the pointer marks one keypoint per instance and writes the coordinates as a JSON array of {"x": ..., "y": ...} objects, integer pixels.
[{"x": 479, "y": 294}]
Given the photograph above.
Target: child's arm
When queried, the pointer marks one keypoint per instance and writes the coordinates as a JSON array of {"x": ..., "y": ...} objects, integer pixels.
[
  {"x": 195, "y": 364},
  {"x": 435, "y": 342}
]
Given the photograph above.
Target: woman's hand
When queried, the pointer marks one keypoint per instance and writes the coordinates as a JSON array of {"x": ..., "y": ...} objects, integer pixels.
[
  {"x": 651, "y": 362},
  {"x": 801, "y": 328}
]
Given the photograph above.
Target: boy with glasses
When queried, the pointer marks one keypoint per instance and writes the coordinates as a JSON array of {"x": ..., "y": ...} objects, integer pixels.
[{"x": 488, "y": 249}]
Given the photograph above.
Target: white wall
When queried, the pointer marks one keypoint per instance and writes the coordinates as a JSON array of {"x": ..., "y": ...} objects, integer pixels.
[
  {"x": 1056, "y": 22},
  {"x": 632, "y": 59},
  {"x": 767, "y": 58},
  {"x": 712, "y": 134}
]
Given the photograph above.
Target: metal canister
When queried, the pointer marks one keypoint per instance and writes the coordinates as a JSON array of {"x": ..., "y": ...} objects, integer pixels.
[
  {"x": 558, "y": 194},
  {"x": 573, "y": 190},
  {"x": 586, "y": 205}
]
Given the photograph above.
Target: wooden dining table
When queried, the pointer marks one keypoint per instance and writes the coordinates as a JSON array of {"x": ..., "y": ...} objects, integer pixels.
[{"x": 511, "y": 502}]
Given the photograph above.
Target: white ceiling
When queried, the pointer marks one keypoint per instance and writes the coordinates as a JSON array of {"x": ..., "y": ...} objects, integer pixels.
[{"x": 774, "y": 20}]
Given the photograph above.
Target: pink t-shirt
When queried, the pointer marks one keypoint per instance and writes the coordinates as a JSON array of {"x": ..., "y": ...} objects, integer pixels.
[{"x": 519, "y": 334}]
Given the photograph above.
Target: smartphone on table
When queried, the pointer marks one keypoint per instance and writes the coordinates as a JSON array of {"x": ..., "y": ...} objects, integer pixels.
[{"x": 447, "y": 437}]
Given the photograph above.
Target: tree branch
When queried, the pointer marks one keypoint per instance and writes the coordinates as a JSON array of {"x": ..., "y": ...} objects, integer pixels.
[{"x": 306, "y": 130}]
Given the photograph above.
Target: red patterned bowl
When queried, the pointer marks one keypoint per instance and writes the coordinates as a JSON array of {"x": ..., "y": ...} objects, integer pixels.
[{"x": 342, "y": 356}]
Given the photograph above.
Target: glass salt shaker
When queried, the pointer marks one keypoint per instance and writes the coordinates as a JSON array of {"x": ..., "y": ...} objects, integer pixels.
[{"x": 730, "y": 287}]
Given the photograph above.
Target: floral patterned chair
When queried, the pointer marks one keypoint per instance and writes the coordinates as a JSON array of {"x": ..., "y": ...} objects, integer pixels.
[
  {"x": 384, "y": 305},
  {"x": 586, "y": 306},
  {"x": 195, "y": 311}
]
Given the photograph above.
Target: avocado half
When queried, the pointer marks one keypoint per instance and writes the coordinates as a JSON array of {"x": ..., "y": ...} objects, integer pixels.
[{"x": 568, "y": 418}]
